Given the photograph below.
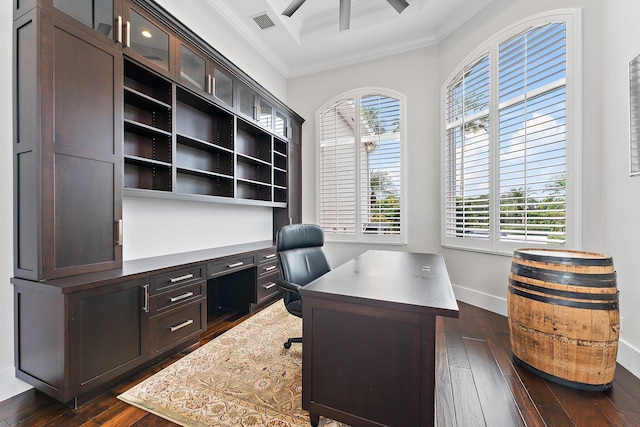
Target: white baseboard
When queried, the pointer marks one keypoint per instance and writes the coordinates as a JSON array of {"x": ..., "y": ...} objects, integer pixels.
[
  {"x": 10, "y": 385},
  {"x": 628, "y": 356}
]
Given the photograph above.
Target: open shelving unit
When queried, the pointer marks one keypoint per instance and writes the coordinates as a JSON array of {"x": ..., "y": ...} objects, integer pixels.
[
  {"x": 204, "y": 147},
  {"x": 147, "y": 129},
  {"x": 179, "y": 144}
]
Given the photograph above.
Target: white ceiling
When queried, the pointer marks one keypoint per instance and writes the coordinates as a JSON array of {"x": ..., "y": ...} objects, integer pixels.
[{"x": 310, "y": 41}]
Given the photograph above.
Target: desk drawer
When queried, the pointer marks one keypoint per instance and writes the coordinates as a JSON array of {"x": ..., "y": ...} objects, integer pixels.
[
  {"x": 268, "y": 268},
  {"x": 177, "y": 296},
  {"x": 168, "y": 281},
  {"x": 267, "y": 255},
  {"x": 230, "y": 264},
  {"x": 176, "y": 326},
  {"x": 266, "y": 287}
]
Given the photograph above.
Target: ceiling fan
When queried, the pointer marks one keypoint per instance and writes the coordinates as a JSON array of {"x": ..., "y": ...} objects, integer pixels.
[{"x": 345, "y": 10}]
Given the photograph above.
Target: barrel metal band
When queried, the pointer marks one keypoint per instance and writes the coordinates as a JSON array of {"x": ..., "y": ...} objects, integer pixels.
[
  {"x": 560, "y": 293},
  {"x": 565, "y": 303},
  {"x": 607, "y": 280},
  {"x": 604, "y": 262}
]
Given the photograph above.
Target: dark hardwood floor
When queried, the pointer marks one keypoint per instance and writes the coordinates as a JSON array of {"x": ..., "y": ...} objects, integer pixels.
[{"x": 478, "y": 384}]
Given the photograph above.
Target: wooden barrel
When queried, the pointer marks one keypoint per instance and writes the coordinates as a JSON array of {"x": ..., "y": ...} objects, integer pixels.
[{"x": 564, "y": 319}]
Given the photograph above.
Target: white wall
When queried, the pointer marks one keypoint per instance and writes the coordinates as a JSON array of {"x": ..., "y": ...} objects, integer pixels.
[{"x": 621, "y": 195}]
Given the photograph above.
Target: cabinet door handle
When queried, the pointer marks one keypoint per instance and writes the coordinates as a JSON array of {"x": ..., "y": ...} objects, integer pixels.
[
  {"x": 269, "y": 256},
  {"x": 119, "y": 29},
  {"x": 235, "y": 264},
  {"x": 181, "y": 297},
  {"x": 128, "y": 33},
  {"x": 145, "y": 308},
  {"x": 213, "y": 86},
  {"x": 269, "y": 285},
  {"x": 181, "y": 325},
  {"x": 272, "y": 267},
  {"x": 120, "y": 232},
  {"x": 256, "y": 113},
  {"x": 181, "y": 278}
]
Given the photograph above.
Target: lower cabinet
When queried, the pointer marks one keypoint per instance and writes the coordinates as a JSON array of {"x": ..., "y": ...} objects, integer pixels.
[
  {"x": 76, "y": 337},
  {"x": 109, "y": 333},
  {"x": 75, "y": 345}
]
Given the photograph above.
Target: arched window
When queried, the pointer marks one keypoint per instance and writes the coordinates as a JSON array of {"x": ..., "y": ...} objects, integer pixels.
[
  {"x": 509, "y": 149},
  {"x": 360, "y": 162}
]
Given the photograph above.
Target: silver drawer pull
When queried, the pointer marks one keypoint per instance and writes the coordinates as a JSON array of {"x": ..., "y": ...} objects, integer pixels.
[
  {"x": 145, "y": 307},
  {"x": 273, "y": 267},
  {"x": 269, "y": 256},
  {"x": 269, "y": 285},
  {"x": 235, "y": 264},
  {"x": 181, "y": 297},
  {"x": 178, "y": 279},
  {"x": 181, "y": 325}
]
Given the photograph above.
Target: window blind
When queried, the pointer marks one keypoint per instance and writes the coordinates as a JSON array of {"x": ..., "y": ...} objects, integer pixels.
[
  {"x": 380, "y": 164},
  {"x": 506, "y": 151},
  {"x": 337, "y": 167},
  {"x": 360, "y": 179},
  {"x": 467, "y": 170},
  {"x": 532, "y": 136}
]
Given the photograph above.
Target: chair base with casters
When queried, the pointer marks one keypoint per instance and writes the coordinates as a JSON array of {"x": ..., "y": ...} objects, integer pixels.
[
  {"x": 302, "y": 260},
  {"x": 290, "y": 341}
]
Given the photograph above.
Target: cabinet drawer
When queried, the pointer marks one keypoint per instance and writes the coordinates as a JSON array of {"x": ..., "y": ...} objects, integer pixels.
[
  {"x": 168, "y": 281},
  {"x": 177, "y": 297},
  {"x": 267, "y": 255},
  {"x": 266, "y": 287},
  {"x": 230, "y": 264},
  {"x": 268, "y": 268},
  {"x": 176, "y": 326}
]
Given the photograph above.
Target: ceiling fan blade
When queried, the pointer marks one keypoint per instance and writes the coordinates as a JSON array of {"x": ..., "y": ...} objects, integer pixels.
[
  {"x": 293, "y": 6},
  {"x": 398, "y": 5},
  {"x": 345, "y": 14}
]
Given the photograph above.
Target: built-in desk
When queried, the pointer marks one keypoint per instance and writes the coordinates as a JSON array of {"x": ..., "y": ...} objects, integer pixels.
[
  {"x": 76, "y": 336},
  {"x": 369, "y": 339}
]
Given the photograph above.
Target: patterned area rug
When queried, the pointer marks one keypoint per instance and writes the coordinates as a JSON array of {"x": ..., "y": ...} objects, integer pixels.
[{"x": 244, "y": 378}]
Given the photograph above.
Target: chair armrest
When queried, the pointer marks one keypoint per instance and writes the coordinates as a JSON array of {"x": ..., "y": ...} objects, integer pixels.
[{"x": 288, "y": 286}]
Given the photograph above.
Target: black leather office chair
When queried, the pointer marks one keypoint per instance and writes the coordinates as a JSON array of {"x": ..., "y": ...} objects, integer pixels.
[{"x": 302, "y": 260}]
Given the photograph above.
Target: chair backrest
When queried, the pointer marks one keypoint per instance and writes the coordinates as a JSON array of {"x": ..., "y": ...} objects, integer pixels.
[{"x": 301, "y": 253}]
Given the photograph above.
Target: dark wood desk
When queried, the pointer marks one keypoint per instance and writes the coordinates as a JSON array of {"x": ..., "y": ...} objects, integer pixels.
[{"x": 369, "y": 339}]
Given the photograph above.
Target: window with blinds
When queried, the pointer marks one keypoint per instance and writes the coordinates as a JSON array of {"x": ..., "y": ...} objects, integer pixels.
[
  {"x": 506, "y": 148},
  {"x": 359, "y": 170}
]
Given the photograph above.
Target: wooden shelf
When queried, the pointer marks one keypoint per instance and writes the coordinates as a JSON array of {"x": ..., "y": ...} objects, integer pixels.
[{"x": 213, "y": 153}]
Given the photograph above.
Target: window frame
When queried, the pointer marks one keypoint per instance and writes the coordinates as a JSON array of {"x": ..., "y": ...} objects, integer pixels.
[
  {"x": 359, "y": 237},
  {"x": 573, "y": 131}
]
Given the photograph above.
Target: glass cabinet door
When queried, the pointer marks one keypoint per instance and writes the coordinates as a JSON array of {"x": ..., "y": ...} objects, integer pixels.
[
  {"x": 223, "y": 86},
  {"x": 281, "y": 124},
  {"x": 96, "y": 14},
  {"x": 148, "y": 41},
  {"x": 266, "y": 114},
  {"x": 247, "y": 101},
  {"x": 193, "y": 68}
]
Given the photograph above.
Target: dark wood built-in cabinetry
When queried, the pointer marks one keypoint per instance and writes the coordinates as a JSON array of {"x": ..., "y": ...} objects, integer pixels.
[
  {"x": 117, "y": 98},
  {"x": 75, "y": 336}
]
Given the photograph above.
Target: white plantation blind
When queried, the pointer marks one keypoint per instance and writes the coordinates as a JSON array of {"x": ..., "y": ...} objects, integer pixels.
[
  {"x": 532, "y": 137},
  {"x": 360, "y": 179},
  {"x": 506, "y": 150},
  {"x": 337, "y": 168},
  {"x": 467, "y": 152}
]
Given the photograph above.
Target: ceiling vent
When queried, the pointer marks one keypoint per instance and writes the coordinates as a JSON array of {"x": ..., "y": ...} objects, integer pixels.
[{"x": 263, "y": 21}]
